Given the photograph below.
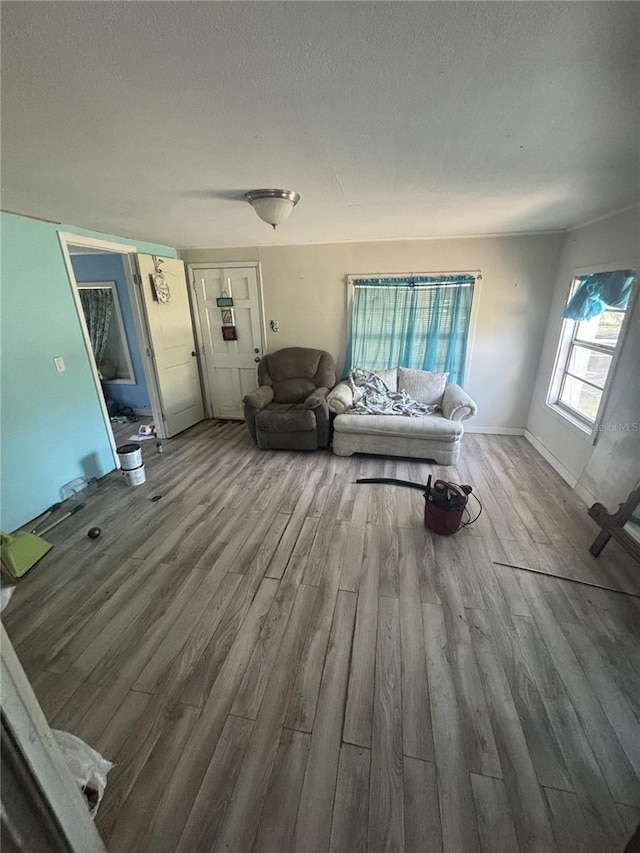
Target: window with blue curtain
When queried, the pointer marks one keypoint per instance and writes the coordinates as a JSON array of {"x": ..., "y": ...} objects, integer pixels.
[
  {"x": 596, "y": 292},
  {"x": 421, "y": 322},
  {"x": 594, "y": 316}
]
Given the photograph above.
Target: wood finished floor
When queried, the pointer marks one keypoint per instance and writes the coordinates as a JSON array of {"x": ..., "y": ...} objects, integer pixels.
[{"x": 279, "y": 659}]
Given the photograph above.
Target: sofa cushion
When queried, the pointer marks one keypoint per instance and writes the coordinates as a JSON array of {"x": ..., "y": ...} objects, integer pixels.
[
  {"x": 291, "y": 362},
  {"x": 340, "y": 398},
  {"x": 422, "y": 385},
  {"x": 282, "y": 419},
  {"x": 434, "y": 427},
  {"x": 292, "y": 390},
  {"x": 389, "y": 377}
]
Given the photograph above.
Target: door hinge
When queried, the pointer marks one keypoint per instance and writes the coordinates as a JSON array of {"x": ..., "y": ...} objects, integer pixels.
[
  {"x": 149, "y": 352},
  {"x": 137, "y": 278}
]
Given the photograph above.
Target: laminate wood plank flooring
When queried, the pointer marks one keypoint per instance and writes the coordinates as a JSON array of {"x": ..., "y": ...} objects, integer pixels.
[
  {"x": 526, "y": 801},
  {"x": 280, "y": 810},
  {"x": 495, "y": 824},
  {"x": 302, "y": 707},
  {"x": 457, "y": 812},
  {"x": 350, "y": 818},
  {"x": 241, "y": 822},
  {"x": 313, "y": 827},
  {"x": 422, "y": 829},
  {"x": 217, "y": 787},
  {"x": 359, "y": 710},
  {"x": 281, "y": 660},
  {"x": 416, "y": 711},
  {"x": 386, "y": 794}
]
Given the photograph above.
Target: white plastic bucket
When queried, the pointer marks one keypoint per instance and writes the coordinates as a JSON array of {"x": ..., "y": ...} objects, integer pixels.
[
  {"x": 130, "y": 456},
  {"x": 134, "y": 477}
]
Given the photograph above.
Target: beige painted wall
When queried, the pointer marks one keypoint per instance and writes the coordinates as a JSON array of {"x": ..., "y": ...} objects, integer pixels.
[
  {"x": 613, "y": 468},
  {"x": 615, "y": 240},
  {"x": 305, "y": 290}
]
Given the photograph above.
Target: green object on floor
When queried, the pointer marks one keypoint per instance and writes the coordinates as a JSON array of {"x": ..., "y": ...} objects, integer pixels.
[{"x": 21, "y": 551}]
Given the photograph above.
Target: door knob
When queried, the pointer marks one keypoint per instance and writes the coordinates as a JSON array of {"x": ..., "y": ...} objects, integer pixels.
[
  {"x": 256, "y": 350},
  {"x": 257, "y": 358}
]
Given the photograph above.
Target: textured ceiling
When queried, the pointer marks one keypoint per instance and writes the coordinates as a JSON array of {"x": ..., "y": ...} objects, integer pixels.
[{"x": 391, "y": 120}]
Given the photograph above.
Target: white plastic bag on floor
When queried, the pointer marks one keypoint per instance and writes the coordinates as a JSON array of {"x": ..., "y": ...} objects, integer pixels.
[
  {"x": 5, "y": 594},
  {"x": 88, "y": 768}
]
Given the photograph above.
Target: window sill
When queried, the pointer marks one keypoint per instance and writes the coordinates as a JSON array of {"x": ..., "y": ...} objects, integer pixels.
[{"x": 568, "y": 418}]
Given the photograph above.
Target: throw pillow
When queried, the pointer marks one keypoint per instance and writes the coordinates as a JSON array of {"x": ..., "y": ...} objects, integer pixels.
[
  {"x": 390, "y": 378},
  {"x": 422, "y": 385}
]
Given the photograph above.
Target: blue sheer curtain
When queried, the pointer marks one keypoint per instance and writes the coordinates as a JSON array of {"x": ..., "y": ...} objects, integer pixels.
[
  {"x": 420, "y": 322},
  {"x": 599, "y": 291},
  {"x": 97, "y": 305}
]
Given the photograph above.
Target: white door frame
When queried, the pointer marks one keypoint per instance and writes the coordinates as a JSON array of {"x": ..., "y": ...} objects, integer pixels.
[
  {"x": 129, "y": 254},
  {"x": 219, "y": 265},
  {"x": 39, "y": 750}
]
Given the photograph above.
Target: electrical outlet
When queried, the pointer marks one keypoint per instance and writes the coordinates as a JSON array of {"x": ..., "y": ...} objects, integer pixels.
[
  {"x": 275, "y": 326},
  {"x": 59, "y": 363}
]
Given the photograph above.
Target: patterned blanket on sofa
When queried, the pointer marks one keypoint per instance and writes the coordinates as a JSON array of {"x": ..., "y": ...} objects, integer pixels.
[{"x": 372, "y": 397}]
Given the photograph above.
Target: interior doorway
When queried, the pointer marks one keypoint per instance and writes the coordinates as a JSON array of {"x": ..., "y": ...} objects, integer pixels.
[
  {"x": 102, "y": 282},
  {"x": 106, "y": 306},
  {"x": 145, "y": 359}
]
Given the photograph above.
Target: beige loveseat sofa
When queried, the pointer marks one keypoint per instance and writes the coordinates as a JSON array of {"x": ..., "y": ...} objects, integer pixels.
[{"x": 436, "y": 436}]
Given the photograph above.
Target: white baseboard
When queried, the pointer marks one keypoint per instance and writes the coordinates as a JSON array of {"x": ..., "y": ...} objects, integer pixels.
[
  {"x": 555, "y": 463},
  {"x": 487, "y": 430},
  {"x": 583, "y": 494},
  {"x": 144, "y": 413}
]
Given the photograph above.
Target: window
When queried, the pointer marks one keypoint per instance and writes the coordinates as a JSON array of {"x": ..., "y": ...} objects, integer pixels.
[
  {"x": 588, "y": 342},
  {"x": 591, "y": 349},
  {"x": 420, "y": 321},
  {"x": 101, "y": 308}
]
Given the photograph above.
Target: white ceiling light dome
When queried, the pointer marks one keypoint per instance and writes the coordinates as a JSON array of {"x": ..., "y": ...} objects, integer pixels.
[{"x": 273, "y": 206}]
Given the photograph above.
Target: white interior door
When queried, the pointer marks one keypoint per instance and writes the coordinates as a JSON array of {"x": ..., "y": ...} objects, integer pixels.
[
  {"x": 229, "y": 366},
  {"x": 173, "y": 346}
]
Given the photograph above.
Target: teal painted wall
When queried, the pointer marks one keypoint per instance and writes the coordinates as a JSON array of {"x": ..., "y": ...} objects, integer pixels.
[{"x": 52, "y": 428}]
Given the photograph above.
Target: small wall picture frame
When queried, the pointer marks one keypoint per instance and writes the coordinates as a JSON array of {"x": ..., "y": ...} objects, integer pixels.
[
  {"x": 229, "y": 333},
  {"x": 227, "y": 316},
  {"x": 161, "y": 292},
  {"x": 224, "y": 301}
]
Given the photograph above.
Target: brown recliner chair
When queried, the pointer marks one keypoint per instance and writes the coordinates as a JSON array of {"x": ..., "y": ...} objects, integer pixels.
[{"x": 289, "y": 410}]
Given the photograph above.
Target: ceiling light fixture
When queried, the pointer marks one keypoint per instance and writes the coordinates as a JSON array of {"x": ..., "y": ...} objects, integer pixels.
[{"x": 273, "y": 206}]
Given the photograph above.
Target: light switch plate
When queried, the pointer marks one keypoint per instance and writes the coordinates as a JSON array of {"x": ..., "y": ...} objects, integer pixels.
[{"x": 59, "y": 363}]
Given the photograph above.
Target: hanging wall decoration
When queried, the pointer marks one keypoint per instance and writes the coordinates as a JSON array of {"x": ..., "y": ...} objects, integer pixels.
[
  {"x": 225, "y": 304},
  {"x": 160, "y": 287}
]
